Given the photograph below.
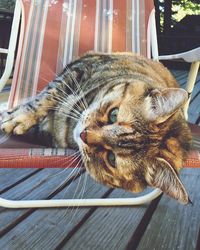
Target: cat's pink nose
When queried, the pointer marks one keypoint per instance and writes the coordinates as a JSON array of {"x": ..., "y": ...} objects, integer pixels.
[{"x": 83, "y": 136}]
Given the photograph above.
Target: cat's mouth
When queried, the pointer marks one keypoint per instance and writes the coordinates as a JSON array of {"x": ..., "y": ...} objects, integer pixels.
[
  {"x": 83, "y": 136},
  {"x": 80, "y": 134}
]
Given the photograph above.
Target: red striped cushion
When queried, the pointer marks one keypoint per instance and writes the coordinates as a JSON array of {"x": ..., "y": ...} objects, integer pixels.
[
  {"x": 23, "y": 160},
  {"x": 18, "y": 153},
  {"x": 58, "y": 158},
  {"x": 39, "y": 162}
]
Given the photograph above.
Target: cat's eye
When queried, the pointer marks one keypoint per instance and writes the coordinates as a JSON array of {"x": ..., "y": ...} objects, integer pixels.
[
  {"x": 112, "y": 116},
  {"x": 111, "y": 159}
]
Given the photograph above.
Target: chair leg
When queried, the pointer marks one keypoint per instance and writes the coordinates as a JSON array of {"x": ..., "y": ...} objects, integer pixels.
[{"x": 190, "y": 84}]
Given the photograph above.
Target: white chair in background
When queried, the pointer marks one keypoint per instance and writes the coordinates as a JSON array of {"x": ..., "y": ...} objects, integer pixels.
[
  {"x": 10, "y": 51},
  {"x": 193, "y": 57}
]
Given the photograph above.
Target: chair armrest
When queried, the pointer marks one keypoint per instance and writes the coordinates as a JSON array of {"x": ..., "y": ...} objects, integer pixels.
[
  {"x": 188, "y": 56},
  {"x": 3, "y": 51}
]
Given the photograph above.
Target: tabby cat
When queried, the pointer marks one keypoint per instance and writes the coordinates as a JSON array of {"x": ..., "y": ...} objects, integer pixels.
[{"x": 123, "y": 112}]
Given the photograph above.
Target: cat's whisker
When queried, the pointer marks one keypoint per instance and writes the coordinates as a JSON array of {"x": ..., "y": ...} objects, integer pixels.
[
  {"x": 75, "y": 208},
  {"x": 64, "y": 171},
  {"x": 63, "y": 110},
  {"x": 79, "y": 88},
  {"x": 70, "y": 175},
  {"x": 68, "y": 106},
  {"x": 76, "y": 153},
  {"x": 73, "y": 116},
  {"x": 72, "y": 208},
  {"x": 65, "y": 180},
  {"x": 61, "y": 171},
  {"x": 84, "y": 185},
  {"x": 77, "y": 186},
  {"x": 84, "y": 102},
  {"x": 76, "y": 170},
  {"x": 67, "y": 85},
  {"x": 80, "y": 196},
  {"x": 73, "y": 91},
  {"x": 76, "y": 157},
  {"x": 62, "y": 100},
  {"x": 70, "y": 114},
  {"x": 75, "y": 176},
  {"x": 70, "y": 96}
]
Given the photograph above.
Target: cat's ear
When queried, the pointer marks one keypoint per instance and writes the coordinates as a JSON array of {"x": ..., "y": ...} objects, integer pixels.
[
  {"x": 161, "y": 104},
  {"x": 160, "y": 174}
]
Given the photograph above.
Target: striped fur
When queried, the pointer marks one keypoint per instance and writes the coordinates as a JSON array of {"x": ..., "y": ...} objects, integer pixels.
[{"x": 148, "y": 135}]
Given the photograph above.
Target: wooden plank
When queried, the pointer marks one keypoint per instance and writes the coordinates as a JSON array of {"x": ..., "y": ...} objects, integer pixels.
[
  {"x": 175, "y": 226},
  {"x": 195, "y": 95},
  {"x": 195, "y": 92},
  {"x": 9, "y": 176},
  {"x": 176, "y": 73},
  {"x": 198, "y": 241},
  {"x": 46, "y": 228},
  {"x": 183, "y": 77},
  {"x": 108, "y": 228},
  {"x": 39, "y": 186},
  {"x": 182, "y": 80}
]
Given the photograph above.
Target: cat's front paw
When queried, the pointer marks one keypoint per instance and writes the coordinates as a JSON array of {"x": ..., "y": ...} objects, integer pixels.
[{"x": 18, "y": 121}]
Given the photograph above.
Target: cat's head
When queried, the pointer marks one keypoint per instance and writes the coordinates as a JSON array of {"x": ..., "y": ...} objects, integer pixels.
[{"x": 134, "y": 135}]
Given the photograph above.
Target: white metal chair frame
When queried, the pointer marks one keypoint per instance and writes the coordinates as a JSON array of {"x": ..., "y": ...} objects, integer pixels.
[
  {"x": 12, "y": 46},
  {"x": 152, "y": 37},
  {"x": 193, "y": 57}
]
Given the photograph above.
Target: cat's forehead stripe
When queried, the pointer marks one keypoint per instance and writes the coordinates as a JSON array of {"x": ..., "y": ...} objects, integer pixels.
[
  {"x": 115, "y": 92},
  {"x": 113, "y": 87},
  {"x": 125, "y": 89}
]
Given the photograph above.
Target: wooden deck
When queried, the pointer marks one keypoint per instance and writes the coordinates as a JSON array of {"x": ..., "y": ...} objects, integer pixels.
[{"x": 164, "y": 224}]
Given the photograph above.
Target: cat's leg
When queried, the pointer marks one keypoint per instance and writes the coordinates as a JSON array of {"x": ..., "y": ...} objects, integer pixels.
[{"x": 20, "y": 119}]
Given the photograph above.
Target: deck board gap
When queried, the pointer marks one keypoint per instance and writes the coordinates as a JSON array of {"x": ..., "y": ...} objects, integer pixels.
[
  {"x": 82, "y": 221},
  {"x": 20, "y": 181},
  {"x": 32, "y": 210},
  {"x": 194, "y": 97},
  {"x": 138, "y": 233},
  {"x": 198, "y": 241}
]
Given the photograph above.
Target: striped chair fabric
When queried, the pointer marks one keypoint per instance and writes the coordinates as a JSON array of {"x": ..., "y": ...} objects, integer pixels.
[{"x": 57, "y": 32}]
